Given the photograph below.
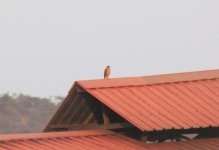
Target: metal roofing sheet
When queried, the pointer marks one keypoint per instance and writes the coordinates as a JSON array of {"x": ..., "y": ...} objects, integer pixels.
[
  {"x": 72, "y": 140},
  {"x": 97, "y": 140},
  {"x": 191, "y": 102},
  {"x": 149, "y": 80},
  {"x": 200, "y": 144}
]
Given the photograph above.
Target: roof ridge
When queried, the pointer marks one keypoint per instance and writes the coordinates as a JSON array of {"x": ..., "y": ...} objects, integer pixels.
[{"x": 150, "y": 80}]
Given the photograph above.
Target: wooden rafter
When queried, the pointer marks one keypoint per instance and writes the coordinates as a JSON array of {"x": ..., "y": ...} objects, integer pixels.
[{"x": 91, "y": 126}]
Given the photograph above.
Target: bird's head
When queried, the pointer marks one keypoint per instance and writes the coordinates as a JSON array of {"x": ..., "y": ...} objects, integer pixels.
[{"x": 107, "y": 66}]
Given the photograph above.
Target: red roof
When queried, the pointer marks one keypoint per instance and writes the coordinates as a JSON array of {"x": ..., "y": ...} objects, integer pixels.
[
  {"x": 200, "y": 144},
  {"x": 180, "y": 101},
  {"x": 95, "y": 140},
  {"x": 76, "y": 140}
]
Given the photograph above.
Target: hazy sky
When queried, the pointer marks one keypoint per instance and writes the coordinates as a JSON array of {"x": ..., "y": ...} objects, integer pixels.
[{"x": 45, "y": 45}]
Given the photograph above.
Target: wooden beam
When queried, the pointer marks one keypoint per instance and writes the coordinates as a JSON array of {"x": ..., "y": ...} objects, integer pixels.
[
  {"x": 92, "y": 126},
  {"x": 60, "y": 110},
  {"x": 106, "y": 119},
  {"x": 92, "y": 114},
  {"x": 80, "y": 90},
  {"x": 68, "y": 109},
  {"x": 76, "y": 111}
]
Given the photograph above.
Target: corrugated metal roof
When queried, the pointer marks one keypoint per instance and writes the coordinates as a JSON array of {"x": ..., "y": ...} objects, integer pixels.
[
  {"x": 151, "y": 80},
  {"x": 179, "y": 101},
  {"x": 95, "y": 140},
  {"x": 201, "y": 144},
  {"x": 72, "y": 140}
]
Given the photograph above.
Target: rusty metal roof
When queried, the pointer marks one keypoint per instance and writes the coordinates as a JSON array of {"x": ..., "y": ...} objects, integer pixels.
[
  {"x": 76, "y": 140},
  {"x": 200, "y": 144},
  {"x": 175, "y": 101}
]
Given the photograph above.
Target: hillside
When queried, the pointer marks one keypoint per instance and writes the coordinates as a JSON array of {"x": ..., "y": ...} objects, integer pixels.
[{"x": 23, "y": 114}]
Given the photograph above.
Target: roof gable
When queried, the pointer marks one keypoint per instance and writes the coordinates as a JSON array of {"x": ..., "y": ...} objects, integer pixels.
[
  {"x": 175, "y": 101},
  {"x": 179, "y": 101}
]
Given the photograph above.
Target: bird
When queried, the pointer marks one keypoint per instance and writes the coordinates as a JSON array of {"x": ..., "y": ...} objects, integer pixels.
[{"x": 107, "y": 72}]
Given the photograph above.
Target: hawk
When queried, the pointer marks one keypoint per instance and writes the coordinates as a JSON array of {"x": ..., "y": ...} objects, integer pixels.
[{"x": 107, "y": 72}]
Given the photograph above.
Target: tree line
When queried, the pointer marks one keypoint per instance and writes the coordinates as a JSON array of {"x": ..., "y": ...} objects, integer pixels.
[{"x": 24, "y": 113}]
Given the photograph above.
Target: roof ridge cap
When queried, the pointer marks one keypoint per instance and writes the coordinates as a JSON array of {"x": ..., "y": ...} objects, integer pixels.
[{"x": 149, "y": 80}]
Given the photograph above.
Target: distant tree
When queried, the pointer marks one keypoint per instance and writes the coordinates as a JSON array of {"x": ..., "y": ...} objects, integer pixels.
[{"x": 23, "y": 113}]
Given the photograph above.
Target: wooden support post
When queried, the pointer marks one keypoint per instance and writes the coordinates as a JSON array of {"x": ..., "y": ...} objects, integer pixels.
[
  {"x": 106, "y": 119},
  {"x": 144, "y": 137}
]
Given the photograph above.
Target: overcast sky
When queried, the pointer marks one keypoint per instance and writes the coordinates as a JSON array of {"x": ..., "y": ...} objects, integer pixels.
[{"x": 46, "y": 45}]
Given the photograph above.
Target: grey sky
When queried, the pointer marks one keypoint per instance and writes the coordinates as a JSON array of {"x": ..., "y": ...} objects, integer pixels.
[{"x": 45, "y": 45}]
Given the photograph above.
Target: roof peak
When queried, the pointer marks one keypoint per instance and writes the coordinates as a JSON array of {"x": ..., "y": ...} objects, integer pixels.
[{"x": 150, "y": 80}]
